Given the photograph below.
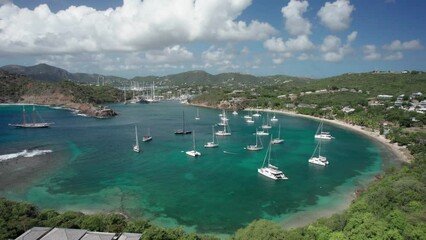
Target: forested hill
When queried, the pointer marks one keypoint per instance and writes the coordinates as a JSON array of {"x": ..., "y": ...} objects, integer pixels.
[
  {"x": 16, "y": 88},
  {"x": 374, "y": 83},
  {"x": 45, "y": 72},
  {"x": 49, "y": 73},
  {"x": 229, "y": 80}
]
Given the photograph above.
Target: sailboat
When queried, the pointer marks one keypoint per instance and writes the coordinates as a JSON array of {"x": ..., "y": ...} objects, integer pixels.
[
  {"x": 256, "y": 147},
  {"x": 136, "y": 145},
  {"x": 266, "y": 124},
  {"x": 322, "y": 135},
  {"x": 152, "y": 98},
  {"x": 223, "y": 119},
  {"x": 183, "y": 131},
  {"x": 262, "y": 132},
  {"x": 226, "y": 131},
  {"x": 234, "y": 113},
  {"x": 320, "y": 160},
  {"x": 274, "y": 119},
  {"x": 33, "y": 123},
  {"x": 248, "y": 116},
  {"x": 269, "y": 170},
  {"x": 147, "y": 137},
  {"x": 125, "y": 97},
  {"x": 278, "y": 139},
  {"x": 212, "y": 144},
  {"x": 257, "y": 114},
  {"x": 193, "y": 152},
  {"x": 197, "y": 117}
]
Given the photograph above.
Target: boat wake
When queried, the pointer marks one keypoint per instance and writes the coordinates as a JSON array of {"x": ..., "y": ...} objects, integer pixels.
[
  {"x": 25, "y": 153},
  {"x": 226, "y": 152}
]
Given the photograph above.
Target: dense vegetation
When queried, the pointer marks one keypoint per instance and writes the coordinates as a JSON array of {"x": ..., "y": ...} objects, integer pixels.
[
  {"x": 393, "y": 207},
  {"x": 14, "y": 86},
  {"x": 16, "y": 218}
]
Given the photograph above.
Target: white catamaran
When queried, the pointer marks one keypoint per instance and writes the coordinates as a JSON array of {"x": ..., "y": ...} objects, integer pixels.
[
  {"x": 33, "y": 123},
  {"x": 320, "y": 160},
  {"x": 136, "y": 145},
  {"x": 269, "y": 170},
  {"x": 320, "y": 134},
  {"x": 212, "y": 144},
  {"x": 193, "y": 152}
]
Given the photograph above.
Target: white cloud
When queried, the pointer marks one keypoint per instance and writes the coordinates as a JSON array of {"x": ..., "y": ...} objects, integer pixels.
[
  {"x": 169, "y": 54},
  {"x": 217, "y": 56},
  {"x": 304, "y": 57},
  {"x": 280, "y": 58},
  {"x": 333, "y": 50},
  {"x": 300, "y": 43},
  {"x": 295, "y": 24},
  {"x": 370, "y": 52},
  {"x": 337, "y": 15},
  {"x": 135, "y": 26},
  {"x": 394, "y": 56},
  {"x": 275, "y": 45},
  {"x": 330, "y": 44},
  {"x": 397, "y": 45}
]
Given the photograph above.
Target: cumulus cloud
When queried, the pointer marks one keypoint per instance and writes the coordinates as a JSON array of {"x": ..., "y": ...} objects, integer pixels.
[
  {"x": 295, "y": 24},
  {"x": 217, "y": 56},
  {"x": 134, "y": 26},
  {"x": 337, "y": 15},
  {"x": 370, "y": 52},
  {"x": 397, "y": 45},
  {"x": 169, "y": 54},
  {"x": 300, "y": 43},
  {"x": 333, "y": 50},
  {"x": 394, "y": 56}
]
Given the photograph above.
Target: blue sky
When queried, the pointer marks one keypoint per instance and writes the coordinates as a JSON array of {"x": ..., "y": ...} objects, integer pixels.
[{"x": 260, "y": 37}]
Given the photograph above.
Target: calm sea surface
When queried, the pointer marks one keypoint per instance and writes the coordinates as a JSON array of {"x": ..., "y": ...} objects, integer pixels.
[{"x": 218, "y": 192}]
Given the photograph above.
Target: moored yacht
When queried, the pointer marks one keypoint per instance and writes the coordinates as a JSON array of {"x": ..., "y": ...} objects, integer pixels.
[{"x": 269, "y": 170}]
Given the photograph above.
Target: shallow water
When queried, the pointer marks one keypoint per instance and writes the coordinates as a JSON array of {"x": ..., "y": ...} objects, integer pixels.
[{"x": 215, "y": 193}]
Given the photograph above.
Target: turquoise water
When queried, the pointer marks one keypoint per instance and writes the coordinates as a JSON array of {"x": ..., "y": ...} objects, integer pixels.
[{"x": 216, "y": 193}]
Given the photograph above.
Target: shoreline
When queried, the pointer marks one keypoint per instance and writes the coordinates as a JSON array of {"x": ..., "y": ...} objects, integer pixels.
[
  {"x": 80, "y": 109},
  {"x": 396, "y": 150},
  {"x": 308, "y": 216}
]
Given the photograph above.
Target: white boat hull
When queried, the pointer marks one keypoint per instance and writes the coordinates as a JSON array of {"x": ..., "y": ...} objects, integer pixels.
[
  {"x": 272, "y": 173},
  {"x": 323, "y": 136},
  {"x": 193, "y": 153},
  {"x": 254, "y": 148},
  {"x": 318, "y": 161},
  {"x": 222, "y": 133},
  {"x": 211, "y": 145},
  {"x": 277, "y": 141}
]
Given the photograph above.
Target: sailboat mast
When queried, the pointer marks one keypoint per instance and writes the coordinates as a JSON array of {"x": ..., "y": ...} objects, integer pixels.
[
  {"x": 193, "y": 141},
  {"x": 136, "y": 131},
  {"x": 23, "y": 115},
  {"x": 33, "y": 115},
  {"x": 183, "y": 121}
]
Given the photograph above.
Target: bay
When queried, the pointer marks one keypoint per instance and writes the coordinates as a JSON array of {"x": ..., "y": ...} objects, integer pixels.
[{"x": 92, "y": 167}]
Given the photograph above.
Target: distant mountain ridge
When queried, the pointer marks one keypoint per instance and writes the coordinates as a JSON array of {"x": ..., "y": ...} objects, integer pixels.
[{"x": 45, "y": 72}]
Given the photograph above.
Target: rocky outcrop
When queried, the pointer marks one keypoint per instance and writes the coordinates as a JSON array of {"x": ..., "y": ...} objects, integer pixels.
[{"x": 61, "y": 100}]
